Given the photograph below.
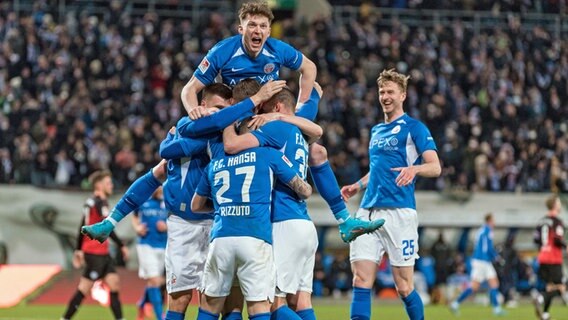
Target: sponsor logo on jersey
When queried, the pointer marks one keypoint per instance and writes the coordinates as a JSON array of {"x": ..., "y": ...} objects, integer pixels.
[
  {"x": 204, "y": 65},
  {"x": 396, "y": 129},
  {"x": 269, "y": 67}
]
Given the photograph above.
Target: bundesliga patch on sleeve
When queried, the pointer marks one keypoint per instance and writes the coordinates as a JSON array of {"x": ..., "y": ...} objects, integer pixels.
[
  {"x": 204, "y": 65},
  {"x": 287, "y": 161}
]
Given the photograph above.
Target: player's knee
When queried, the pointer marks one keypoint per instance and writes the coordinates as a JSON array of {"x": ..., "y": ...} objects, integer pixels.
[
  {"x": 318, "y": 155},
  {"x": 362, "y": 280},
  {"x": 404, "y": 290}
]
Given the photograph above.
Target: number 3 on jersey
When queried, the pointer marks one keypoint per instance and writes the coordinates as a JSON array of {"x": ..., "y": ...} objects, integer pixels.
[{"x": 224, "y": 178}]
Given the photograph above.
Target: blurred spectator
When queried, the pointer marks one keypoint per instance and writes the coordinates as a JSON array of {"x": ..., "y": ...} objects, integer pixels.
[{"x": 495, "y": 100}]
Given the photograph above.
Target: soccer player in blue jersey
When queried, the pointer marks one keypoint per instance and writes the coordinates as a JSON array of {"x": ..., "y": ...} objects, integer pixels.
[
  {"x": 251, "y": 54},
  {"x": 149, "y": 222},
  {"x": 482, "y": 268},
  {"x": 241, "y": 237},
  {"x": 400, "y": 149}
]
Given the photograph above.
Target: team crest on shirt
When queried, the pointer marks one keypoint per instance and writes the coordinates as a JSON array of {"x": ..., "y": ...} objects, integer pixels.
[
  {"x": 396, "y": 129},
  {"x": 287, "y": 161},
  {"x": 269, "y": 67},
  {"x": 204, "y": 65}
]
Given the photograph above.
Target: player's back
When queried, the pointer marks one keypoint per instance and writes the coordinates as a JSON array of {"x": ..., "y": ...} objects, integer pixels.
[
  {"x": 286, "y": 204},
  {"x": 241, "y": 186},
  {"x": 150, "y": 213},
  {"x": 484, "y": 249}
]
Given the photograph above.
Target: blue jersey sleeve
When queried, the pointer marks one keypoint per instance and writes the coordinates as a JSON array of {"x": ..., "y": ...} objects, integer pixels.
[
  {"x": 270, "y": 134},
  {"x": 215, "y": 148},
  {"x": 212, "y": 63},
  {"x": 291, "y": 57},
  {"x": 280, "y": 165},
  {"x": 204, "y": 188},
  {"x": 218, "y": 121},
  {"x": 178, "y": 147},
  {"x": 309, "y": 109},
  {"x": 423, "y": 138}
]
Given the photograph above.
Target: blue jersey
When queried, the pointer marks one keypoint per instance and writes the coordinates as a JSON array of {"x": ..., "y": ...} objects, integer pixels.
[
  {"x": 150, "y": 213},
  {"x": 187, "y": 159},
  {"x": 229, "y": 58},
  {"x": 241, "y": 188},
  {"x": 484, "y": 249},
  {"x": 399, "y": 143},
  {"x": 287, "y": 138}
]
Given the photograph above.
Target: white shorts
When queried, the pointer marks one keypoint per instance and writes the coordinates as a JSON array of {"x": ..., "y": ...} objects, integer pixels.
[
  {"x": 186, "y": 252},
  {"x": 250, "y": 259},
  {"x": 295, "y": 243},
  {"x": 398, "y": 237},
  {"x": 482, "y": 270},
  {"x": 151, "y": 261}
]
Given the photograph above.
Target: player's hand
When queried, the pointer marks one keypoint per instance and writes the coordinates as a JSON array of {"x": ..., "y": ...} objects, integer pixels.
[
  {"x": 349, "y": 191},
  {"x": 269, "y": 89},
  {"x": 173, "y": 130},
  {"x": 406, "y": 175},
  {"x": 141, "y": 229},
  {"x": 78, "y": 259},
  {"x": 161, "y": 226},
  {"x": 125, "y": 253},
  {"x": 261, "y": 119},
  {"x": 198, "y": 112}
]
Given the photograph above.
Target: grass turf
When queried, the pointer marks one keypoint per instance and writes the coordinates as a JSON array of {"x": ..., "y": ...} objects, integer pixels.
[{"x": 327, "y": 309}]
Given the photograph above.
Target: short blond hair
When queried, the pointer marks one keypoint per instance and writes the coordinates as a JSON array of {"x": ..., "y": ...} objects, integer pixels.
[
  {"x": 393, "y": 76},
  {"x": 254, "y": 8}
]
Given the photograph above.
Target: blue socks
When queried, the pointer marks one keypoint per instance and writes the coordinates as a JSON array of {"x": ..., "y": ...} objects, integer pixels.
[
  {"x": 284, "y": 313},
  {"x": 260, "y": 316},
  {"x": 414, "y": 306},
  {"x": 307, "y": 314},
  {"x": 327, "y": 186},
  {"x": 206, "y": 315},
  {"x": 172, "y": 315},
  {"x": 155, "y": 297},
  {"x": 493, "y": 297},
  {"x": 140, "y": 191},
  {"x": 361, "y": 304},
  {"x": 233, "y": 316},
  {"x": 467, "y": 292}
]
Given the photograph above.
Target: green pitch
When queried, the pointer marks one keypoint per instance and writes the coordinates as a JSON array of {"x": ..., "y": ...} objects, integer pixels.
[{"x": 324, "y": 310}]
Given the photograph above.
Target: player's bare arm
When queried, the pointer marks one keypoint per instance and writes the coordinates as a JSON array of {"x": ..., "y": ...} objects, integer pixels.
[
  {"x": 349, "y": 191},
  {"x": 308, "y": 73},
  {"x": 430, "y": 169},
  {"x": 199, "y": 204},
  {"x": 301, "y": 187},
  {"x": 233, "y": 143},
  {"x": 189, "y": 93},
  {"x": 311, "y": 130}
]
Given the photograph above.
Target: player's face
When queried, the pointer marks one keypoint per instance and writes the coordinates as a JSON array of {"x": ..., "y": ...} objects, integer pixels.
[
  {"x": 255, "y": 30},
  {"x": 215, "y": 101},
  {"x": 391, "y": 98},
  {"x": 106, "y": 186}
]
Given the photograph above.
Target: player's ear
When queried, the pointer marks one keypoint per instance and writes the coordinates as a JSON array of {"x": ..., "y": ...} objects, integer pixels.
[{"x": 240, "y": 29}]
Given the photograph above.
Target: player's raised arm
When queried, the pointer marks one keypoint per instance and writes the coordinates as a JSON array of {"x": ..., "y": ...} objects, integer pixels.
[
  {"x": 189, "y": 93},
  {"x": 308, "y": 73},
  {"x": 311, "y": 130}
]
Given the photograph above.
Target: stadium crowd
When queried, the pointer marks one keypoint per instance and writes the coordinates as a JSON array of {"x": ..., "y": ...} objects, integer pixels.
[{"x": 96, "y": 92}]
